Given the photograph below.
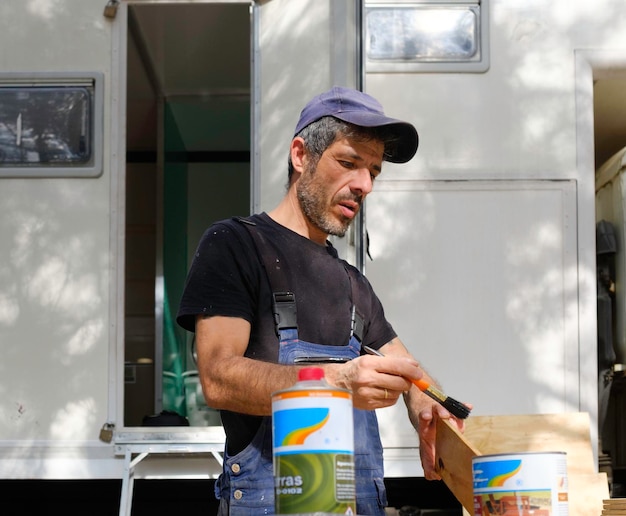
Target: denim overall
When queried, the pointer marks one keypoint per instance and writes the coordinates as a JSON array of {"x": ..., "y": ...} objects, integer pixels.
[
  {"x": 246, "y": 485},
  {"x": 247, "y": 481}
]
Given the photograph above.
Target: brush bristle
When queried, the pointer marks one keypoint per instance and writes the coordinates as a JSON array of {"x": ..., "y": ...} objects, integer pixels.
[{"x": 456, "y": 408}]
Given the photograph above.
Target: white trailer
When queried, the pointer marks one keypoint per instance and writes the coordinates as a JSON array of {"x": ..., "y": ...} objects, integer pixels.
[{"x": 482, "y": 247}]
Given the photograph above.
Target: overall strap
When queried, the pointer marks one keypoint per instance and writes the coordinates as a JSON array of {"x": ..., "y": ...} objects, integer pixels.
[
  {"x": 357, "y": 323},
  {"x": 284, "y": 299}
]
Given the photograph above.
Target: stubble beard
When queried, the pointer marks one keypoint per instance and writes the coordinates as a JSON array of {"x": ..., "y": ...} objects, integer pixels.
[{"x": 312, "y": 196}]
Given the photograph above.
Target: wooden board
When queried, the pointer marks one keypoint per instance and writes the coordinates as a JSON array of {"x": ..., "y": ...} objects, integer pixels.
[
  {"x": 485, "y": 435},
  {"x": 614, "y": 507},
  {"x": 536, "y": 433},
  {"x": 453, "y": 461},
  {"x": 586, "y": 493}
]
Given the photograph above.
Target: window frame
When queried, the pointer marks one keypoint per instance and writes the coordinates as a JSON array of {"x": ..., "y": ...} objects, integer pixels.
[
  {"x": 479, "y": 64},
  {"x": 93, "y": 83}
]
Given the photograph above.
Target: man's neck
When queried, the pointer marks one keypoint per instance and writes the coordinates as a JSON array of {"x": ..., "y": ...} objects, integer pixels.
[{"x": 289, "y": 214}]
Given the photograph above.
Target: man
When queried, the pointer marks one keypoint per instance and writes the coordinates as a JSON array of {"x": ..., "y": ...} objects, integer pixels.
[{"x": 268, "y": 292}]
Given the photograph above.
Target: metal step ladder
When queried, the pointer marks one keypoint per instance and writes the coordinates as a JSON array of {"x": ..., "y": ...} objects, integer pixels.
[{"x": 177, "y": 445}]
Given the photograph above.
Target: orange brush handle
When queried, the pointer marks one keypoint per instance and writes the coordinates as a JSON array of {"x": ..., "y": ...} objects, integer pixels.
[
  {"x": 422, "y": 385},
  {"x": 456, "y": 408}
]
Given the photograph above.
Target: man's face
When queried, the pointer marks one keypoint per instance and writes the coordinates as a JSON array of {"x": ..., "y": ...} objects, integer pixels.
[{"x": 331, "y": 193}]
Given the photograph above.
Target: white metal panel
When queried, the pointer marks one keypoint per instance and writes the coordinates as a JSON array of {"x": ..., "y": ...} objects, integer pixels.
[
  {"x": 479, "y": 280},
  {"x": 55, "y": 271},
  {"x": 55, "y": 459}
]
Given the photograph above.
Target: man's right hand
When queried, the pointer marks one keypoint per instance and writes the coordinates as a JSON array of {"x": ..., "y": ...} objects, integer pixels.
[{"x": 375, "y": 382}]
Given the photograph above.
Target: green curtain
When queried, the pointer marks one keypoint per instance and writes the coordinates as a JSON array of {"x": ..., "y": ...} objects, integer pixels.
[{"x": 174, "y": 266}]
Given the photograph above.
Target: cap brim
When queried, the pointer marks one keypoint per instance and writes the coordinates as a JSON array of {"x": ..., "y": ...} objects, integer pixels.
[{"x": 406, "y": 138}]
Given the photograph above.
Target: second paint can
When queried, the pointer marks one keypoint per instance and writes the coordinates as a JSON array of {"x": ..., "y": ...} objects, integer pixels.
[{"x": 521, "y": 484}]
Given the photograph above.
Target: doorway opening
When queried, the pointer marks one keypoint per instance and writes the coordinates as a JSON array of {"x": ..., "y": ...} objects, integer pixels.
[
  {"x": 609, "y": 110},
  {"x": 187, "y": 165}
]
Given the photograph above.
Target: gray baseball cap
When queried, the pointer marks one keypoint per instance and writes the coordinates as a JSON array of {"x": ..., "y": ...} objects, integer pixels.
[{"x": 358, "y": 108}]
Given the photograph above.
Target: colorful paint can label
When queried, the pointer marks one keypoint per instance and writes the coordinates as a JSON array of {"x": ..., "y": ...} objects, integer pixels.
[
  {"x": 521, "y": 484},
  {"x": 313, "y": 448}
]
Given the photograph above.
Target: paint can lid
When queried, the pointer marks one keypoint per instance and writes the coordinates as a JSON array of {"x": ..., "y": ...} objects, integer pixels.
[{"x": 310, "y": 373}]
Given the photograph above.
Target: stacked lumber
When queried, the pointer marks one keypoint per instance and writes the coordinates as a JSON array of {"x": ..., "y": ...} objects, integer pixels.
[{"x": 614, "y": 507}]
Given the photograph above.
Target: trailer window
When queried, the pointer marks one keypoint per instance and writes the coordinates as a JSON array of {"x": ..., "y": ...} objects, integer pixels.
[
  {"x": 429, "y": 36},
  {"x": 48, "y": 126}
]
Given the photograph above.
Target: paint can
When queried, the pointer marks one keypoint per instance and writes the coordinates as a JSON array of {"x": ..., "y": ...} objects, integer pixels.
[
  {"x": 521, "y": 484},
  {"x": 313, "y": 447}
]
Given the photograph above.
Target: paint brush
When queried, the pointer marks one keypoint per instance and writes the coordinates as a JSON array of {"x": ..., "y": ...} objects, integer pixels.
[{"x": 456, "y": 408}]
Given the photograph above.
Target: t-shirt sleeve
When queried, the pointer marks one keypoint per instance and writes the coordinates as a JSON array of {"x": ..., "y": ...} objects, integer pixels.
[{"x": 221, "y": 279}]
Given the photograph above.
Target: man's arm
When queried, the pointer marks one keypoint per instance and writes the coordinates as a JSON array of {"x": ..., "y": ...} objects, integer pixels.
[
  {"x": 423, "y": 412},
  {"x": 233, "y": 382},
  {"x": 229, "y": 380}
]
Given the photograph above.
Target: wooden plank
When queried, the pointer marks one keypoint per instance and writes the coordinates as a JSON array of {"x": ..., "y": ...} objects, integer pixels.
[
  {"x": 453, "y": 461},
  {"x": 485, "y": 435},
  {"x": 615, "y": 503},
  {"x": 536, "y": 433},
  {"x": 586, "y": 493},
  {"x": 614, "y": 507}
]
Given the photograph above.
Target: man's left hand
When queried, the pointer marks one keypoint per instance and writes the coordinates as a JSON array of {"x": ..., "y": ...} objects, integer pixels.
[{"x": 427, "y": 431}]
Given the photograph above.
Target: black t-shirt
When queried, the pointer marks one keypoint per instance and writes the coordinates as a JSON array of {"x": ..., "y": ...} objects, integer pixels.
[{"x": 227, "y": 278}]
